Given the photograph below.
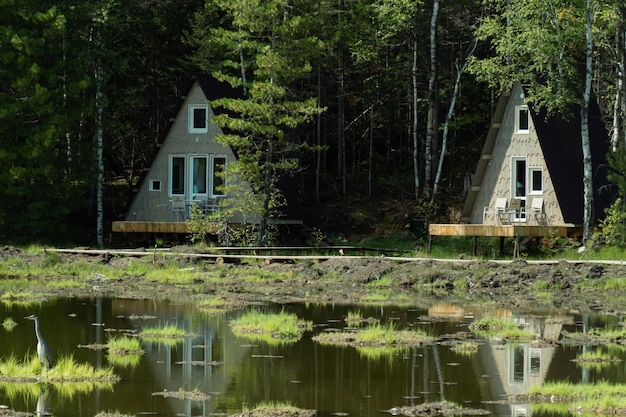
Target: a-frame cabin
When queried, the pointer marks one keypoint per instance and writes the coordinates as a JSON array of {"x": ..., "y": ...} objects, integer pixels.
[
  {"x": 529, "y": 179},
  {"x": 186, "y": 169}
]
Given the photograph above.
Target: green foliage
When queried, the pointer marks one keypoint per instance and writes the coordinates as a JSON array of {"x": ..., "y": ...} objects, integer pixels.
[
  {"x": 536, "y": 43},
  {"x": 263, "y": 48},
  {"x": 612, "y": 229}
]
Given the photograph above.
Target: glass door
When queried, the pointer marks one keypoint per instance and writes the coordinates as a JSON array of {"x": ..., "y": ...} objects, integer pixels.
[
  {"x": 519, "y": 182},
  {"x": 198, "y": 176}
]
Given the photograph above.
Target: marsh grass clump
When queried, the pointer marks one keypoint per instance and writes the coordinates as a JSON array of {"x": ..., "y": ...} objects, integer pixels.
[
  {"x": 282, "y": 326},
  {"x": 468, "y": 347},
  {"x": 8, "y": 324},
  {"x": 595, "y": 359},
  {"x": 168, "y": 331},
  {"x": 506, "y": 329},
  {"x": 66, "y": 369},
  {"x": 376, "y": 335},
  {"x": 276, "y": 409},
  {"x": 124, "y": 345},
  {"x": 599, "y": 398},
  {"x": 596, "y": 336}
]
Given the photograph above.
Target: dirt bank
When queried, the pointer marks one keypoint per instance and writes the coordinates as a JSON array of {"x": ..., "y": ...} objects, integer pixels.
[{"x": 342, "y": 279}]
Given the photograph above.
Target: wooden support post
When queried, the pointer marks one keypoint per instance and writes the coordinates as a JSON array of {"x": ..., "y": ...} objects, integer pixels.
[
  {"x": 501, "y": 245},
  {"x": 475, "y": 246}
]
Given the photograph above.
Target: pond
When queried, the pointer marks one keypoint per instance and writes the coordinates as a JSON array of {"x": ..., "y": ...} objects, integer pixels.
[{"x": 236, "y": 373}]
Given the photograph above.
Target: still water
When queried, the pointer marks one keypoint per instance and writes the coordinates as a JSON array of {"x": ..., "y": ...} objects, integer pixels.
[{"x": 239, "y": 373}]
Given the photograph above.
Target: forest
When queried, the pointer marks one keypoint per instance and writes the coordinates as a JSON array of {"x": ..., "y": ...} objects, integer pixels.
[{"x": 352, "y": 99}]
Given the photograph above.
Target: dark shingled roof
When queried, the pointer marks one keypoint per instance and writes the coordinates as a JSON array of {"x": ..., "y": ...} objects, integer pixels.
[{"x": 561, "y": 145}]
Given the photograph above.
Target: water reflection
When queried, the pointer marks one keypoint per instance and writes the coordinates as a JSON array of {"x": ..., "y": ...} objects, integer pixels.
[{"x": 235, "y": 373}]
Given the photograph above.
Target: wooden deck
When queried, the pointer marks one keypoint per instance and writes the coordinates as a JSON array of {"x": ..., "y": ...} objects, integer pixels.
[
  {"x": 513, "y": 230},
  {"x": 150, "y": 227},
  {"x": 172, "y": 227},
  {"x": 516, "y": 231}
]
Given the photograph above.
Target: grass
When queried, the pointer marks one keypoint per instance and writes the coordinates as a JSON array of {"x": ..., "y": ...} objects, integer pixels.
[
  {"x": 281, "y": 326},
  {"x": 505, "y": 329},
  {"x": 168, "y": 331},
  {"x": 600, "y": 398},
  {"x": 277, "y": 408},
  {"x": 377, "y": 335},
  {"x": 8, "y": 324},
  {"x": 596, "y": 335},
  {"x": 465, "y": 348},
  {"x": 124, "y": 345},
  {"x": 66, "y": 369}
]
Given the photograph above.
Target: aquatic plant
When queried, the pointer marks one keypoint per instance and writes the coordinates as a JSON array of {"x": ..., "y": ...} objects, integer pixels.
[
  {"x": 466, "y": 347},
  {"x": 506, "y": 329},
  {"x": 276, "y": 409},
  {"x": 8, "y": 324},
  {"x": 167, "y": 331},
  {"x": 124, "y": 345},
  {"x": 281, "y": 326},
  {"x": 376, "y": 335},
  {"x": 65, "y": 369}
]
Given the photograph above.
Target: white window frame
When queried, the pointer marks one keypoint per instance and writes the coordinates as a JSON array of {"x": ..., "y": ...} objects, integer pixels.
[
  {"x": 155, "y": 185},
  {"x": 518, "y": 110},
  {"x": 191, "y": 118},
  {"x": 531, "y": 180},
  {"x": 170, "y": 165}
]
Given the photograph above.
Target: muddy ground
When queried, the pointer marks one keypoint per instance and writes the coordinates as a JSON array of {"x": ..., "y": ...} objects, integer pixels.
[{"x": 343, "y": 279}]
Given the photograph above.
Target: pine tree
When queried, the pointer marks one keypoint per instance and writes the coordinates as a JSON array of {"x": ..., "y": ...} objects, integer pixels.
[{"x": 264, "y": 48}]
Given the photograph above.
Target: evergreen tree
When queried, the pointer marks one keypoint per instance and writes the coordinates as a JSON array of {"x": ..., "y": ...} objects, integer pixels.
[
  {"x": 264, "y": 48},
  {"x": 43, "y": 87}
]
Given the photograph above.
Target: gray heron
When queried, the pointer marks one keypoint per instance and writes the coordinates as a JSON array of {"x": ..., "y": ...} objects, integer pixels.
[{"x": 43, "y": 352}]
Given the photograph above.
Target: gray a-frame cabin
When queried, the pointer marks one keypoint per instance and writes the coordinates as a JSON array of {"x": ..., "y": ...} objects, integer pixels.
[
  {"x": 529, "y": 179},
  {"x": 186, "y": 169}
]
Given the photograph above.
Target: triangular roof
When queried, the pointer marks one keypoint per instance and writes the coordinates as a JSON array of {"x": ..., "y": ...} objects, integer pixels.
[{"x": 562, "y": 149}]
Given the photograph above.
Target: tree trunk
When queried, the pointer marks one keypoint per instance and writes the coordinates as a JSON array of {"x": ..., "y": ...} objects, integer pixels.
[
  {"x": 341, "y": 145},
  {"x": 455, "y": 92},
  {"x": 99, "y": 139},
  {"x": 584, "y": 131},
  {"x": 431, "y": 121},
  {"x": 416, "y": 176}
]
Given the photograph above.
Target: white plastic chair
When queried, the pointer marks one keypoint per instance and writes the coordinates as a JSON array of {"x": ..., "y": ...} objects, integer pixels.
[
  {"x": 498, "y": 209},
  {"x": 536, "y": 210},
  {"x": 179, "y": 208}
]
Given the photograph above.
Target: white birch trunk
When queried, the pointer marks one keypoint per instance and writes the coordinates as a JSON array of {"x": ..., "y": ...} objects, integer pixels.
[
  {"x": 455, "y": 92},
  {"x": 431, "y": 128},
  {"x": 584, "y": 131},
  {"x": 416, "y": 176}
]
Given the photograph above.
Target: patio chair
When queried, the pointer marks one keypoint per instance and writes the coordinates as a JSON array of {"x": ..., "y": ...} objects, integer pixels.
[
  {"x": 498, "y": 208},
  {"x": 179, "y": 208},
  {"x": 536, "y": 210}
]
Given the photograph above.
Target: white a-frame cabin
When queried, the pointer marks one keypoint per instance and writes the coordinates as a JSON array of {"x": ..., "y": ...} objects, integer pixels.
[
  {"x": 186, "y": 169},
  {"x": 529, "y": 179}
]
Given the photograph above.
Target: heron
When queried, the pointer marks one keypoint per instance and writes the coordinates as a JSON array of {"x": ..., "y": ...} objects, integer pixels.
[{"x": 43, "y": 352}]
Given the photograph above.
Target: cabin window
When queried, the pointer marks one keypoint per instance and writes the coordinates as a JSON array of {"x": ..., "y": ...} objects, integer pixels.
[
  {"x": 198, "y": 118},
  {"x": 155, "y": 185},
  {"x": 536, "y": 180},
  {"x": 177, "y": 175},
  {"x": 521, "y": 119},
  {"x": 218, "y": 164}
]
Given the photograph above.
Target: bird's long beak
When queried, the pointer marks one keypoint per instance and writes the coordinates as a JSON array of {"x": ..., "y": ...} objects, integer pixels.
[{"x": 32, "y": 316}]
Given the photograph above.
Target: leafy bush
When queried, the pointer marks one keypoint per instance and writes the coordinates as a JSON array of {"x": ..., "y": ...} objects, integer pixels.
[{"x": 612, "y": 230}]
